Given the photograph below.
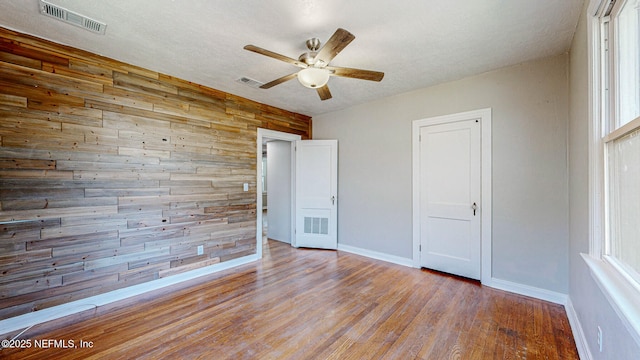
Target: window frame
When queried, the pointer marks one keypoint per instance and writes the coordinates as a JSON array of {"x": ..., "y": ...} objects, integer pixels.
[{"x": 620, "y": 289}]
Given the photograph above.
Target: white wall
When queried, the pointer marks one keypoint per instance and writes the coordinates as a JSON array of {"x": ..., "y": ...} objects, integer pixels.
[
  {"x": 279, "y": 190},
  {"x": 530, "y": 196},
  {"x": 590, "y": 305}
]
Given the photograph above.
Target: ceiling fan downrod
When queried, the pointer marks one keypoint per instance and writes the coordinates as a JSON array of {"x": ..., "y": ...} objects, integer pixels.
[{"x": 308, "y": 58}]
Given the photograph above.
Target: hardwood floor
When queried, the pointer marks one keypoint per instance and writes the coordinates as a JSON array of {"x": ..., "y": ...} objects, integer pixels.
[{"x": 314, "y": 304}]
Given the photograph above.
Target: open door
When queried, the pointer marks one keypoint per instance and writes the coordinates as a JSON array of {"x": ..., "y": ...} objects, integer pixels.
[{"x": 316, "y": 194}]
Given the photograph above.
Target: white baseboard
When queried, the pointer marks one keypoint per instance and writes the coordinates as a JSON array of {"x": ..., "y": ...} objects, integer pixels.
[
  {"x": 534, "y": 292},
  {"x": 526, "y": 290},
  {"x": 37, "y": 317},
  {"x": 376, "y": 255},
  {"x": 578, "y": 333}
]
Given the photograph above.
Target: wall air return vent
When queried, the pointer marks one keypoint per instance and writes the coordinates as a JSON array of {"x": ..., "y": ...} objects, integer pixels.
[
  {"x": 250, "y": 82},
  {"x": 316, "y": 225},
  {"x": 71, "y": 17}
]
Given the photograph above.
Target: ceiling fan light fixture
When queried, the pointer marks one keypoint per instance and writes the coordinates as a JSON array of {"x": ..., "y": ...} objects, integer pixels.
[
  {"x": 313, "y": 78},
  {"x": 316, "y": 71}
]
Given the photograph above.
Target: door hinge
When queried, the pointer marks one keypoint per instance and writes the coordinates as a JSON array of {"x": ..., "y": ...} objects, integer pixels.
[{"x": 420, "y": 248}]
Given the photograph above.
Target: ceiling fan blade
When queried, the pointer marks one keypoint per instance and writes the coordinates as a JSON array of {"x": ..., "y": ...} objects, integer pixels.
[
  {"x": 324, "y": 92},
  {"x": 356, "y": 73},
  {"x": 338, "y": 41},
  {"x": 276, "y": 56},
  {"x": 279, "y": 81}
]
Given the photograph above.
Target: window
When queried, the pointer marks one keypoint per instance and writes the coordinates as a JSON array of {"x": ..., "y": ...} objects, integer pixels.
[
  {"x": 621, "y": 138},
  {"x": 615, "y": 155},
  {"x": 623, "y": 188}
]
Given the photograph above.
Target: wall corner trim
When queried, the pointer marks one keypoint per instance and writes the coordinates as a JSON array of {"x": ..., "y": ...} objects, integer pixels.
[
  {"x": 578, "y": 333},
  {"x": 24, "y": 321}
]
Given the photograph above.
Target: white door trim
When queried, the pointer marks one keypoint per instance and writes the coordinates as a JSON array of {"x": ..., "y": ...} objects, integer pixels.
[
  {"x": 485, "y": 121},
  {"x": 274, "y": 135}
]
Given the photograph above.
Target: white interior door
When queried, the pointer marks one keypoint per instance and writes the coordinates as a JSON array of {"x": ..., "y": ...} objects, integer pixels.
[
  {"x": 316, "y": 194},
  {"x": 450, "y": 184}
]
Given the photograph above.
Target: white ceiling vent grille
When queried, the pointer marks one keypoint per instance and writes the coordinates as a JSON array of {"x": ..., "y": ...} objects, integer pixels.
[
  {"x": 72, "y": 18},
  {"x": 250, "y": 82}
]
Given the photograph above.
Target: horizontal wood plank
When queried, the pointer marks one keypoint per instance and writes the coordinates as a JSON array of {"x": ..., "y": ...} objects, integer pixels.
[{"x": 106, "y": 170}]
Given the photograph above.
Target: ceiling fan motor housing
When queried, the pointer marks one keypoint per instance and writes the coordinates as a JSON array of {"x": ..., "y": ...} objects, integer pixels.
[{"x": 308, "y": 58}]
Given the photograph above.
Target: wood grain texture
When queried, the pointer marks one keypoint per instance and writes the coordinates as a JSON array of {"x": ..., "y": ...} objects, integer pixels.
[
  {"x": 112, "y": 175},
  {"x": 336, "y": 43},
  {"x": 316, "y": 304}
]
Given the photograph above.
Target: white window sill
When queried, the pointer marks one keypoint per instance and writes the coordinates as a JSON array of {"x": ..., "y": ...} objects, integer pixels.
[{"x": 623, "y": 297}]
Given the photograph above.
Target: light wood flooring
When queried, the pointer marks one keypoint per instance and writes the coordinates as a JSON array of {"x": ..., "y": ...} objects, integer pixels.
[{"x": 315, "y": 304}]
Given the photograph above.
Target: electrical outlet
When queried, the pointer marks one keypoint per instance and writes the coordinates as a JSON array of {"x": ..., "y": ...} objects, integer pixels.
[
  {"x": 245, "y": 187},
  {"x": 200, "y": 249},
  {"x": 600, "y": 338}
]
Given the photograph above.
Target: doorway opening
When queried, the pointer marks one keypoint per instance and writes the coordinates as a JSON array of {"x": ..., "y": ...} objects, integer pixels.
[{"x": 275, "y": 187}]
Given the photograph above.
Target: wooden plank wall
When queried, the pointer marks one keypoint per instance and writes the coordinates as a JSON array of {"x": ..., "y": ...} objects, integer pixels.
[{"x": 111, "y": 175}]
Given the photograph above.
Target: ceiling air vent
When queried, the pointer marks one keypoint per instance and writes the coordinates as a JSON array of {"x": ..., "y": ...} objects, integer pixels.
[
  {"x": 71, "y": 17},
  {"x": 250, "y": 82}
]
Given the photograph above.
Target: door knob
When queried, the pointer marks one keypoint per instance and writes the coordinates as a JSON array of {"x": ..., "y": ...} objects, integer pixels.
[{"x": 474, "y": 207}]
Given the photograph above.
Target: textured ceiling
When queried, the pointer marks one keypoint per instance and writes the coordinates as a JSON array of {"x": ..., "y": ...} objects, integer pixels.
[{"x": 416, "y": 43}]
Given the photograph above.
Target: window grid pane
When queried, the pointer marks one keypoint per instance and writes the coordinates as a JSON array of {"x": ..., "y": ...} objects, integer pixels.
[
  {"x": 624, "y": 202},
  {"x": 628, "y": 63}
]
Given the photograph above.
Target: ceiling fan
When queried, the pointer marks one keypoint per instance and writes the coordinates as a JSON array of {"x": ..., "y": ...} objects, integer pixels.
[{"x": 316, "y": 71}]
